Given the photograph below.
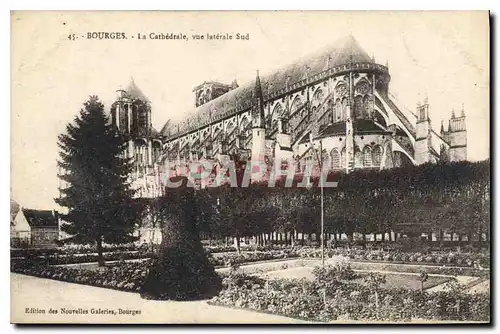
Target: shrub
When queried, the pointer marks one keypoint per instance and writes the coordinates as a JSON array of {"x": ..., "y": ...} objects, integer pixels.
[{"x": 181, "y": 274}]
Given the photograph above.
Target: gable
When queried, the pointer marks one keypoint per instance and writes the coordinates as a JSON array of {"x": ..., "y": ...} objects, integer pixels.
[{"x": 20, "y": 223}]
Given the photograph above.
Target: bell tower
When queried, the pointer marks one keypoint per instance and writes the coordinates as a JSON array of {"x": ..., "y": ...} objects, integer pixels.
[{"x": 131, "y": 114}]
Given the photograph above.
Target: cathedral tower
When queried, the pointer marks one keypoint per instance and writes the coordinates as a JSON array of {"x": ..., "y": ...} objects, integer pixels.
[
  {"x": 423, "y": 133},
  {"x": 458, "y": 137},
  {"x": 131, "y": 114}
]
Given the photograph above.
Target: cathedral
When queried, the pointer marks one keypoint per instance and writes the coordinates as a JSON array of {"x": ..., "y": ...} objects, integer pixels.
[{"x": 336, "y": 99}]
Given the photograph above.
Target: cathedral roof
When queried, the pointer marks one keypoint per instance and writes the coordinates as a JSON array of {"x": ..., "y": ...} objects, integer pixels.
[
  {"x": 343, "y": 51},
  {"x": 134, "y": 92}
]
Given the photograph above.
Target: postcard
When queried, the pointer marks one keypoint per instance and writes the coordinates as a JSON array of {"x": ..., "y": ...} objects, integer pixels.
[{"x": 250, "y": 167}]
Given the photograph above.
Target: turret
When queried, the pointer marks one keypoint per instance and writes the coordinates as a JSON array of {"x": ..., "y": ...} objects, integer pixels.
[
  {"x": 423, "y": 132},
  {"x": 258, "y": 123},
  {"x": 458, "y": 137}
]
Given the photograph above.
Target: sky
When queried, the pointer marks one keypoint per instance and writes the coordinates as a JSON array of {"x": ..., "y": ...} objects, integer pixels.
[{"x": 441, "y": 55}]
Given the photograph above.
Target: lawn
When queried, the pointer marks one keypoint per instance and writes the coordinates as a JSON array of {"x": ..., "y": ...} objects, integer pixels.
[{"x": 393, "y": 280}]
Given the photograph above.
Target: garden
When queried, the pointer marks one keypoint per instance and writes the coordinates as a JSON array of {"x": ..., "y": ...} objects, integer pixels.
[
  {"x": 402, "y": 244},
  {"x": 301, "y": 288}
]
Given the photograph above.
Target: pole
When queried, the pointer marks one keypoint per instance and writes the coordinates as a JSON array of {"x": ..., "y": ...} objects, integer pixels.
[
  {"x": 320, "y": 160},
  {"x": 322, "y": 211}
]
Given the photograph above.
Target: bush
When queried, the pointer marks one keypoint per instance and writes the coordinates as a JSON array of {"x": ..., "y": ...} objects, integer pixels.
[{"x": 181, "y": 274}]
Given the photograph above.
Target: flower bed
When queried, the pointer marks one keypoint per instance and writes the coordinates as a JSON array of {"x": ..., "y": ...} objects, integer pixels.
[
  {"x": 344, "y": 297},
  {"x": 217, "y": 260},
  {"x": 121, "y": 276},
  {"x": 418, "y": 268},
  {"x": 348, "y": 301},
  {"x": 229, "y": 259},
  {"x": 225, "y": 249},
  {"x": 86, "y": 253},
  {"x": 435, "y": 258},
  {"x": 83, "y": 258},
  {"x": 74, "y": 250}
]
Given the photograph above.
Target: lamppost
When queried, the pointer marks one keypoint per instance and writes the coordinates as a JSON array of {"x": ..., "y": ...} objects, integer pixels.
[{"x": 320, "y": 161}]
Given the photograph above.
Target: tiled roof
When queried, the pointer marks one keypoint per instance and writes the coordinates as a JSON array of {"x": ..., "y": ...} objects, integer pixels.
[
  {"x": 343, "y": 51},
  {"x": 359, "y": 125},
  {"x": 41, "y": 218},
  {"x": 134, "y": 92}
]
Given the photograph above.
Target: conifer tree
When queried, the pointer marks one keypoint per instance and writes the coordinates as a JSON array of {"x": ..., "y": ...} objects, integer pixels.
[{"x": 98, "y": 195}]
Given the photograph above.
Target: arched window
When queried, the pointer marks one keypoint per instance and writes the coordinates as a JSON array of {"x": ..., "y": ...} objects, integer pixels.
[
  {"x": 274, "y": 125},
  {"x": 325, "y": 160},
  {"x": 278, "y": 111},
  {"x": 344, "y": 108},
  {"x": 335, "y": 159},
  {"x": 367, "y": 156},
  {"x": 296, "y": 105},
  {"x": 358, "y": 106},
  {"x": 318, "y": 97},
  {"x": 367, "y": 106},
  {"x": 308, "y": 161},
  {"x": 358, "y": 157},
  {"x": 338, "y": 110},
  {"x": 377, "y": 155}
]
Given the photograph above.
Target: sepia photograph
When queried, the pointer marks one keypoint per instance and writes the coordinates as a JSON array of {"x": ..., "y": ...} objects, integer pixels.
[{"x": 250, "y": 167}]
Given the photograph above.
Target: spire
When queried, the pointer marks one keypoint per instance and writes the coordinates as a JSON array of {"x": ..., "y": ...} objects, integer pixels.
[
  {"x": 463, "y": 111},
  {"x": 452, "y": 113},
  {"x": 442, "y": 127},
  {"x": 259, "y": 113},
  {"x": 258, "y": 87}
]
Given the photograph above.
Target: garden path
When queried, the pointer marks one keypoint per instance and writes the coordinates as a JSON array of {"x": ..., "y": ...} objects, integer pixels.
[{"x": 40, "y": 293}]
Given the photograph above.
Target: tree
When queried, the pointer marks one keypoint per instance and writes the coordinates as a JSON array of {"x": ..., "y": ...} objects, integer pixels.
[{"x": 98, "y": 195}]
